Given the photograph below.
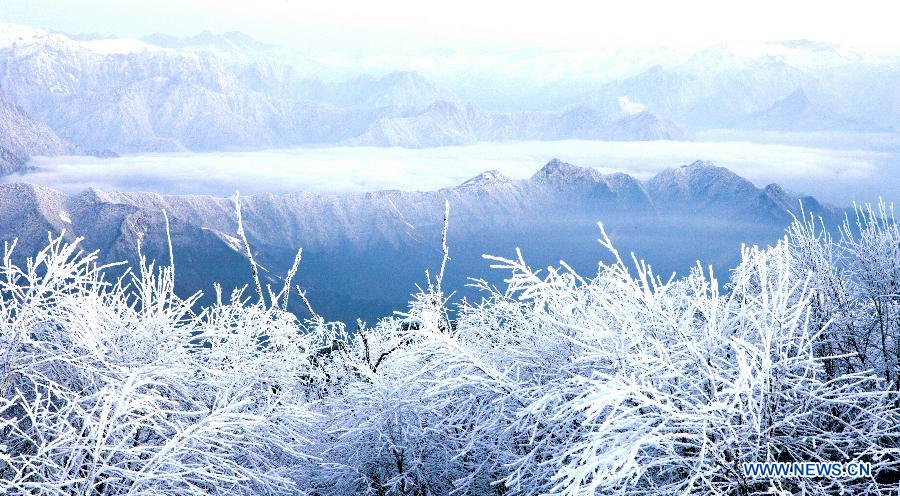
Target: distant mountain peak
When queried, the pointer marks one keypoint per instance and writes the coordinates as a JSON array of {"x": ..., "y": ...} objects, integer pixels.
[
  {"x": 557, "y": 171},
  {"x": 703, "y": 172},
  {"x": 700, "y": 170},
  {"x": 699, "y": 165},
  {"x": 556, "y": 167},
  {"x": 487, "y": 177},
  {"x": 701, "y": 181},
  {"x": 359, "y": 237},
  {"x": 207, "y": 39}
]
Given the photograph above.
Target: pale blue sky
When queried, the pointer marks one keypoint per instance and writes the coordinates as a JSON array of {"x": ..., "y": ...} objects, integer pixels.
[{"x": 415, "y": 25}]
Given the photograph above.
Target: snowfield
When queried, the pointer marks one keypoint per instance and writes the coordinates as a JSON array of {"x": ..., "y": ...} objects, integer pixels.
[{"x": 559, "y": 383}]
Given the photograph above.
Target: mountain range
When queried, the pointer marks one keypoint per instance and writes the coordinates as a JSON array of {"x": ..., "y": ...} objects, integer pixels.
[
  {"x": 448, "y": 123},
  {"x": 364, "y": 253},
  {"x": 727, "y": 85},
  {"x": 227, "y": 92}
]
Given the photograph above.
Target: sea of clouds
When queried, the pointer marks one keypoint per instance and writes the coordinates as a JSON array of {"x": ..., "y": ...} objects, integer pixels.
[{"x": 839, "y": 175}]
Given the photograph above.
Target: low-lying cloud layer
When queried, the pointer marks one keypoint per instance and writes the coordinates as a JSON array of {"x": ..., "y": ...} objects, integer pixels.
[{"x": 837, "y": 175}]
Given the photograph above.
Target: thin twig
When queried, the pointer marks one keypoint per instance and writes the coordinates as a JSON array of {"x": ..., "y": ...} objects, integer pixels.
[
  {"x": 169, "y": 240},
  {"x": 243, "y": 236},
  {"x": 290, "y": 276},
  {"x": 445, "y": 252},
  {"x": 309, "y": 307}
]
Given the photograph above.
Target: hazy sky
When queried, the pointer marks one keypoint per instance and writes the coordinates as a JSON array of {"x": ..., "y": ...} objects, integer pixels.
[{"x": 417, "y": 25}]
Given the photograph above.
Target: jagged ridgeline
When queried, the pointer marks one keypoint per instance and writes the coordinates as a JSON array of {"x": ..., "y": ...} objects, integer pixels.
[{"x": 364, "y": 253}]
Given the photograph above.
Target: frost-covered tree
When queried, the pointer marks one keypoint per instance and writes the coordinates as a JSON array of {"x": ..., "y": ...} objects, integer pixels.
[
  {"x": 114, "y": 387},
  {"x": 856, "y": 285},
  {"x": 622, "y": 382},
  {"x": 632, "y": 384}
]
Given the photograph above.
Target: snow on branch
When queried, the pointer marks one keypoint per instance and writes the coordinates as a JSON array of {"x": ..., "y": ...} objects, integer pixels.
[{"x": 560, "y": 383}]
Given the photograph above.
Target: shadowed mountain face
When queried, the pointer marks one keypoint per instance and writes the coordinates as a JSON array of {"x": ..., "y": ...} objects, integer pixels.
[
  {"x": 21, "y": 137},
  {"x": 376, "y": 246}
]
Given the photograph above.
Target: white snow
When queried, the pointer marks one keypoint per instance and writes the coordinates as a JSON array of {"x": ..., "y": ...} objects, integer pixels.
[
  {"x": 16, "y": 34},
  {"x": 11, "y": 34},
  {"x": 630, "y": 381},
  {"x": 630, "y": 107},
  {"x": 116, "y": 46}
]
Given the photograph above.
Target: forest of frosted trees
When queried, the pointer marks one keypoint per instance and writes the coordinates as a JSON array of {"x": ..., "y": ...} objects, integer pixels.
[{"x": 616, "y": 383}]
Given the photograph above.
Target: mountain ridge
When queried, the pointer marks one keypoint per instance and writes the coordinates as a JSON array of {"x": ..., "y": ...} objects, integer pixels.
[
  {"x": 228, "y": 92},
  {"x": 379, "y": 242},
  {"x": 231, "y": 92}
]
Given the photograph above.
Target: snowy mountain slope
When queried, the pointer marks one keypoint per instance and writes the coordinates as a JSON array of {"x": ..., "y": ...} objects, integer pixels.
[
  {"x": 30, "y": 214},
  {"x": 214, "y": 92},
  {"x": 207, "y": 40},
  {"x": 21, "y": 137},
  {"x": 364, "y": 252},
  {"x": 448, "y": 123},
  {"x": 400, "y": 91},
  {"x": 129, "y": 95}
]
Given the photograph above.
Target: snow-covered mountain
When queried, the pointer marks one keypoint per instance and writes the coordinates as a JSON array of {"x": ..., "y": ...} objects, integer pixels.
[
  {"x": 784, "y": 81},
  {"x": 207, "y": 40},
  {"x": 375, "y": 246},
  {"x": 218, "y": 92},
  {"x": 212, "y": 92},
  {"x": 21, "y": 138},
  {"x": 129, "y": 95},
  {"x": 448, "y": 123},
  {"x": 721, "y": 86}
]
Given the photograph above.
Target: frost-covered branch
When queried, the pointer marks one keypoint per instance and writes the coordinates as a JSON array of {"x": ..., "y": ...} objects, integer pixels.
[{"x": 560, "y": 383}]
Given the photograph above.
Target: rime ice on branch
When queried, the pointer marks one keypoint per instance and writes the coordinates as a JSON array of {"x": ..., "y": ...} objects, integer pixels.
[{"x": 558, "y": 384}]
